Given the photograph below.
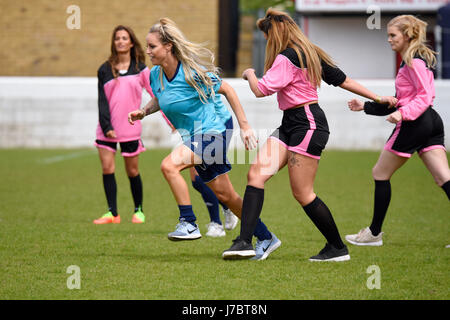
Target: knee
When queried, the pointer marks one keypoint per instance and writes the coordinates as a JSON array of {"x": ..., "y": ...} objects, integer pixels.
[
  {"x": 132, "y": 172},
  {"x": 167, "y": 168},
  {"x": 304, "y": 196},
  {"x": 108, "y": 168},
  {"x": 377, "y": 174},
  {"x": 440, "y": 181},
  {"x": 223, "y": 197},
  {"x": 255, "y": 178}
]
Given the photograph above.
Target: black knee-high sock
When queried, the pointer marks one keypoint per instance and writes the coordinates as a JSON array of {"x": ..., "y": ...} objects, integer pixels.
[
  {"x": 110, "y": 186},
  {"x": 251, "y": 210},
  {"x": 381, "y": 204},
  {"x": 136, "y": 190},
  {"x": 446, "y": 187},
  {"x": 321, "y": 216}
]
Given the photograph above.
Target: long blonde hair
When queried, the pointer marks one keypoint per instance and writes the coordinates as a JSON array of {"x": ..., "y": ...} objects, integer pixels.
[
  {"x": 196, "y": 59},
  {"x": 282, "y": 32},
  {"x": 416, "y": 30}
]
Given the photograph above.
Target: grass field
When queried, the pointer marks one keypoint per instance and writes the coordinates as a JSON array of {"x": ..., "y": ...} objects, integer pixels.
[{"x": 50, "y": 197}]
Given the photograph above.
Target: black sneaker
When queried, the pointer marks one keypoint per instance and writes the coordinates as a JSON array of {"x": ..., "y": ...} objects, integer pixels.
[
  {"x": 330, "y": 253},
  {"x": 240, "y": 249}
]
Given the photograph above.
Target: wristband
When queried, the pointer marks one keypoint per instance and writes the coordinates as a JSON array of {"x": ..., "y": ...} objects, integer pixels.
[{"x": 377, "y": 99}]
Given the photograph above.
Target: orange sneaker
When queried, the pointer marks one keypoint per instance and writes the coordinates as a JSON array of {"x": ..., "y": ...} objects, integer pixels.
[
  {"x": 107, "y": 218},
  {"x": 138, "y": 217}
]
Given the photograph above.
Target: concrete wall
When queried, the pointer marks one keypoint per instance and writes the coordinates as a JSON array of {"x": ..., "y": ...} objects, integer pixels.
[{"x": 62, "y": 112}]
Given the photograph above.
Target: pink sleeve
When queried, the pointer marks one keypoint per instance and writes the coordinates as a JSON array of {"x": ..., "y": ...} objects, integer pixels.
[
  {"x": 145, "y": 80},
  {"x": 422, "y": 78},
  {"x": 277, "y": 77}
]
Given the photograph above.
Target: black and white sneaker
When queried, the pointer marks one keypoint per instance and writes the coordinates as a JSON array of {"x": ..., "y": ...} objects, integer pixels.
[
  {"x": 330, "y": 253},
  {"x": 240, "y": 249}
]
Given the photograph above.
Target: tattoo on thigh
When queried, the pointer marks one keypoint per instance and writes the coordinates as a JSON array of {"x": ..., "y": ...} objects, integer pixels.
[{"x": 293, "y": 161}]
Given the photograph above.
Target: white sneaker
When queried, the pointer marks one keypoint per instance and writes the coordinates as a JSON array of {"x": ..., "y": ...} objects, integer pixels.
[
  {"x": 185, "y": 231},
  {"x": 215, "y": 230},
  {"x": 447, "y": 246},
  {"x": 365, "y": 238},
  {"x": 230, "y": 219}
]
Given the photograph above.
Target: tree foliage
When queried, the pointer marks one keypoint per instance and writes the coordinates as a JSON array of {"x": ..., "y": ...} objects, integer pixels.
[{"x": 251, "y": 6}]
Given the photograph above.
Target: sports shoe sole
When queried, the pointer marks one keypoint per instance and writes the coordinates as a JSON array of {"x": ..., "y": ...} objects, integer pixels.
[
  {"x": 367, "y": 244},
  {"x": 215, "y": 235},
  {"x": 336, "y": 259},
  {"x": 182, "y": 238},
  {"x": 238, "y": 255}
]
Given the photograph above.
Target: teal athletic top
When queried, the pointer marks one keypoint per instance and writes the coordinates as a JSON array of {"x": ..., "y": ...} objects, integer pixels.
[{"x": 181, "y": 103}]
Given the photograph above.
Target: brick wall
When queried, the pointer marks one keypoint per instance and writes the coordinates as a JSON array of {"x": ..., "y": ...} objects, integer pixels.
[{"x": 36, "y": 41}]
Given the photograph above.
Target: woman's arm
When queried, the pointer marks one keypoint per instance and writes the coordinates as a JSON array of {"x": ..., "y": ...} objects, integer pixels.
[
  {"x": 151, "y": 107},
  {"x": 250, "y": 76},
  {"x": 355, "y": 87},
  {"x": 247, "y": 134}
]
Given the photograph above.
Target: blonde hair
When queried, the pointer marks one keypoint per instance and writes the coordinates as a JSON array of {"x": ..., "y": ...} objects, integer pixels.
[
  {"x": 415, "y": 29},
  {"x": 196, "y": 59},
  {"x": 282, "y": 32}
]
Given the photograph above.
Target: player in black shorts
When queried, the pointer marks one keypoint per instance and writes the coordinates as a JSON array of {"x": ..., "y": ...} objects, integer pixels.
[
  {"x": 121, "y": 80},
  {"x": 294, "y": 69},
  {"x": 418, "y": 127}
]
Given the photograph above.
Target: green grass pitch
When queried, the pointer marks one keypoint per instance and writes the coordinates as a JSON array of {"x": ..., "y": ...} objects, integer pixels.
[{"x": 50, "y": 197}]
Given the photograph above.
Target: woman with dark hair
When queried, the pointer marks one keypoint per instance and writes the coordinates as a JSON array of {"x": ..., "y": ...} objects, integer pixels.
[
  {"x": 121, "y": 80},
  {"x": 294, "y": 69}
]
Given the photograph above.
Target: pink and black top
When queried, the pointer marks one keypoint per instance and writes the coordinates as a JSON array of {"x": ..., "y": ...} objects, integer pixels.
[
  {"x": 290, "y": 81},
  {"x": 304, "y": 130},
  {"x": 421, "y": 128},
  {"x": 119, "y": 96},
  {"x": 414, "y": 90}
]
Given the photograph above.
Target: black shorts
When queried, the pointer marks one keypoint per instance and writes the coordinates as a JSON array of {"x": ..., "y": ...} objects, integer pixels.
[
  {"x": 127, "y": 149},
  {"x": 421, "y": 135},
  {"x": 303, "y": 130}
]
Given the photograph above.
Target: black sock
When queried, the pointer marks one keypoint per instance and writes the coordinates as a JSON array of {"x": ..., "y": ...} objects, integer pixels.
[
  {"x": 110, "y": 186},
  {"x": 136, "y": 191},
  {"x": 251, "y": 210},
  {"x": 446, "y": 187},
  {"x": 381, "y": 204},
  {"x": 321, "y": 216}
]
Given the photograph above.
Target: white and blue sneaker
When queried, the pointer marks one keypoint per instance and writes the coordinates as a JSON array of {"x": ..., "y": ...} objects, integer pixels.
[
  {"x": 265, "y": 247},
  {"x": 185, "y": 231}
]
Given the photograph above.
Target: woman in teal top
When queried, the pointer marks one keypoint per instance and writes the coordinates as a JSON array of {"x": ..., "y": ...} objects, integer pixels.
[{"x": 185, "y": 83}]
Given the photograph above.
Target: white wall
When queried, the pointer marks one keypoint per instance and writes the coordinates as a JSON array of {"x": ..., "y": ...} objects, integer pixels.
[
  {"x": 357, "y": 50},
  {"x": 62, "y": 112},
  {"x": 361, "y": 52}
]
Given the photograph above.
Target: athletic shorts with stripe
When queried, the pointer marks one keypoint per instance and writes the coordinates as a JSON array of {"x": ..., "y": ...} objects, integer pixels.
[
  {"x": 127, "y": 149},
  {"x": 303, "y": 130},
  {"x": 421, "y": 135}
]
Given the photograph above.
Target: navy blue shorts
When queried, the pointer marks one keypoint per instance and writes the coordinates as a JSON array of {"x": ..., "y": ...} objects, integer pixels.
[{"x": 212, "y": 149}]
